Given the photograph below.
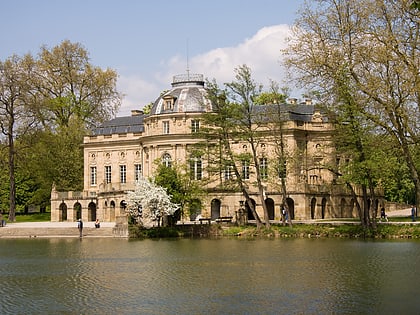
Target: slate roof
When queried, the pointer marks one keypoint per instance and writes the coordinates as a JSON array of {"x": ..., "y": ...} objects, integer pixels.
[{"x": 120, "y": 125}]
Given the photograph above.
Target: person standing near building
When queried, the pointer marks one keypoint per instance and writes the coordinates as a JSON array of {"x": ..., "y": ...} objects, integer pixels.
[
  {"x": 413, "y": 213},
  {"x": 80, "y": 226}
]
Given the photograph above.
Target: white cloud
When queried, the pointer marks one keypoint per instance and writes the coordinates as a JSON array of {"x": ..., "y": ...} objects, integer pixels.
[
  {"x": 137, "y": 93},
  {"x": 261, "y": 53}
]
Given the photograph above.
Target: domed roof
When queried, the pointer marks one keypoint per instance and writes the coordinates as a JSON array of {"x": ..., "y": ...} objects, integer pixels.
[{"x": 188, "y": 95}]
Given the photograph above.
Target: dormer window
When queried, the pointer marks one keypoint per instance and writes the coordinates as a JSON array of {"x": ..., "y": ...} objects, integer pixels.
[{"x": 168, "y": 104}]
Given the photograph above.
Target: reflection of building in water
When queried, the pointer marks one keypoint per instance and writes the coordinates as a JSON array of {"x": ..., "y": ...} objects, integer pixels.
[{"x": 124, "y": 149}]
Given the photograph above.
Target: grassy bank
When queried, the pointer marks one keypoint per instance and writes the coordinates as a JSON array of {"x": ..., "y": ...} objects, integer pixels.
[
  {"x": 383, "y": 231},
  {"x": 31, "y": 217}
]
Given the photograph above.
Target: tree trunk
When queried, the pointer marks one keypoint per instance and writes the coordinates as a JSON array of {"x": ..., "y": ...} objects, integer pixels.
[{"x": 12, "y": 186}]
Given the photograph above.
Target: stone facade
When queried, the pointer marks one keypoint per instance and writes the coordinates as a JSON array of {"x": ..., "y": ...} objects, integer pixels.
[{"x": 126, "y": 148}]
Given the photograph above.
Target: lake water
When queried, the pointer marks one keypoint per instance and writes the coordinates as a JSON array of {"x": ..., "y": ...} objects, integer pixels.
[{"x": 203, "y": 276}]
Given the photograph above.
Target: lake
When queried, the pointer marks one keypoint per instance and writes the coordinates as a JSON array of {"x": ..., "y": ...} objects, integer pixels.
[{"x": 205, "y": 276}]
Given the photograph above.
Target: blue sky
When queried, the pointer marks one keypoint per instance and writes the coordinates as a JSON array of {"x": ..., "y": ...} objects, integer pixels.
[{"x": 147, "y": 42}]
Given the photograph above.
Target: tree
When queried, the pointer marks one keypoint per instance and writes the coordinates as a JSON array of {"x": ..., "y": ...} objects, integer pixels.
[
  {"x": 236, "y": 122},
  {"x": 15, "y": 119},
  {"x": 367, "y": 49},
  {"x": 48, "y": 103},
  {"x": 276, "y": 120},
  {"x": 70, "y": 88},
  {"x": 148, "y": 203},
  {"x": 178, "y": 184}
]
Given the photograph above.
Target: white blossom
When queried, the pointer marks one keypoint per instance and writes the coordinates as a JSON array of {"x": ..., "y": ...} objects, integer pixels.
[{"x": 149, "y": 202}]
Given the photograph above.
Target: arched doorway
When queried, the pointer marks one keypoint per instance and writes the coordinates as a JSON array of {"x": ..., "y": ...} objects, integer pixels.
[
  {"x": 63, "y": 212},
  {"x": 77, "y": 211},
  {"x": 215, "y": 209},
  {"x": 313, "y": 208},
  {"x": 269, "y": 203},
  {"x": 92, "y": 211},
  {"x": 323, "y": 207},
  {"x": 291, "y": 205},
  {"x": 112, "y": 210},
  {"x": 248, "y": 209}
]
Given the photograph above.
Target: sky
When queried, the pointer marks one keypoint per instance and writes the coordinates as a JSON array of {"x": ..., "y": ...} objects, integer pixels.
[{"x": 147, "y": 42}]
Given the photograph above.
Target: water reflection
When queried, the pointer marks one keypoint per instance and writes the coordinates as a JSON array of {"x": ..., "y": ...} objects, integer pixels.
[{"x": 112, "y": 276}]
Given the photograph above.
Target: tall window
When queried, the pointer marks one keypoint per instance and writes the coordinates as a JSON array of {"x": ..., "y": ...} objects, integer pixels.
[
  {"x": 123, "y": 173},
  {"x": 196, "y": 168},
  {"x": 228, "y": 172},
  {"x": 167, "y": 160},
  {"x": 107, "y": 174},
  {"x": 263, "y": 168},
  {"x": 166, "y": 127},
  {"x": 137, "y": 172},
  {"x": 282, "y": 169},
  {"x": 195, "y": 126},
  {"x": 245, "y": 169},
  {"x": 93, "y": 175}
]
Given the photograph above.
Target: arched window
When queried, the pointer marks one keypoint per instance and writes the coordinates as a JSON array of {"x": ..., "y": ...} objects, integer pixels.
[{"x": 167, "y": 160}]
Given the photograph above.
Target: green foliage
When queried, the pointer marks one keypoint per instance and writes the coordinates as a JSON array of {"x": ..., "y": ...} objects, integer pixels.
[
  {"x": 46, "y": 105},
  {"x": 147, "y": 108},
  {"x": 268, "y": 98},
  {"x": 178, "y": 184}
]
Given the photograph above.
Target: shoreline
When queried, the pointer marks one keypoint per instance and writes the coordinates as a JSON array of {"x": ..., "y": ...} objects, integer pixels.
[{"x": 301, "y": 228}]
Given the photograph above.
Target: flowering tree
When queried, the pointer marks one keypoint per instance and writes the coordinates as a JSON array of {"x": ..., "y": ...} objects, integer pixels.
[{"x": 149, "y": 202}]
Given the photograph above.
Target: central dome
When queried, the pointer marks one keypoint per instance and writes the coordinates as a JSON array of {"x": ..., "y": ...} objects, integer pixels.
[{"x": 188, "y": 95}]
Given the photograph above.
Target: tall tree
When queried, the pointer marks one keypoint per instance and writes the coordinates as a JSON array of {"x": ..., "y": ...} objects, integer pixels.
[
  {"x": 276, "y": 119},
  {"x": 375, "y": 45},
  {"x": 71, "y": 88},
  {"x": 234, "y": 131},
  {"x": 15, "y": 119}
]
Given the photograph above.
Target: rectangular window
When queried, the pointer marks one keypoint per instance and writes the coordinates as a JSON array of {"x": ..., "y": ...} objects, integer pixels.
[
  {"x": 137, "y": 172},
  {"x": 228, "y": 172},
  {"x": 282, "y": 169},
  {"x": 263, "y": 168},
  {"x": 93, "y": 175},
  {"x": 166, "y": 127},
  {"x": 245, "y": 169},
  {"x": 107, "y": 174},
  {"x": 123, "y": 173},
  {"x": 196, "y": 168},
  {"x": 195, "y": 126}
]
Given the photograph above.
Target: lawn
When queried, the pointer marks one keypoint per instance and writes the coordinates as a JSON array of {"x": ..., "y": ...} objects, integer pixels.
[{"x": 32, "y": 217}]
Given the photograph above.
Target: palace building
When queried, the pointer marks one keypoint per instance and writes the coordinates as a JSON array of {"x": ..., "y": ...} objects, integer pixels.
[{"x": 125, "y": 149}]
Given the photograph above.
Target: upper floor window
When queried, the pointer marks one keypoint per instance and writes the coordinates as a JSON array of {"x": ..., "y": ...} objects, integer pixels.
[
  {"x": 167, "y": 160},
  {"x": 196, "y": 168},
  {"x": 166, "y": 127},
  {"x": 93, "y": 175},
  {"x": 195, "y": 126},
  {"x": 282, "y": 169},
  {"x": 107, "y": 174},
  {"x": 228, "y": 172},
  {"x": 137, "y": 172},
  {"x": 245, "y": 169},
  {"x": 123, "y": 173},
  {"x": 263, "y": 168},
  {"x": 168, "y": 104}
]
